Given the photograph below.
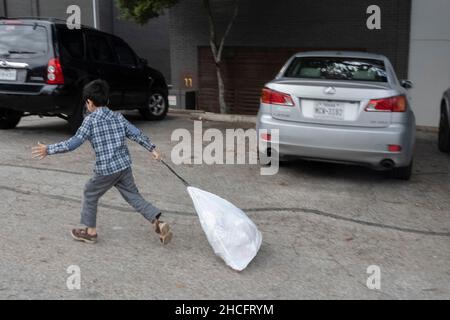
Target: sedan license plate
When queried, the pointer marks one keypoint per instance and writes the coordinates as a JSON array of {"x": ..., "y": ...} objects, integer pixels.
[
  {"x": 329, "y": 110},
  {"x": 8, "y": 74}
]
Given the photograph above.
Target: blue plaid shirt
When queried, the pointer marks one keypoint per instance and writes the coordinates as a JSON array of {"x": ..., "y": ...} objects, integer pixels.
[{"x": 107, "y": 132}]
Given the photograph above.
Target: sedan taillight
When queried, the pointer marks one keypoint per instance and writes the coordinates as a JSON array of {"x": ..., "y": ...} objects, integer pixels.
[
  {"x": 393, "y": 104},
  {"x": 270, "y": 96}
]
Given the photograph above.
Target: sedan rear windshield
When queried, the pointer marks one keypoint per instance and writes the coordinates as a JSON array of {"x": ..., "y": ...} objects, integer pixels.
[
  {"x": 22, "y": 40},
  {"x": 337, "y": 68}
]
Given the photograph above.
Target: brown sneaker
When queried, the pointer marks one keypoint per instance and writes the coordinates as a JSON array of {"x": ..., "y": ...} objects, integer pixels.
[
  {"x": 163, "y": 229},
  {"x": 165, "y": 239},
  {"x": 82, "y": 235}
]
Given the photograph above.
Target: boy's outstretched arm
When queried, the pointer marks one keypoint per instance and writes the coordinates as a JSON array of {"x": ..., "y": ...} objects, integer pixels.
[
  {"x": 136, "y": 135},
  {"x": 83, "y": 133}
]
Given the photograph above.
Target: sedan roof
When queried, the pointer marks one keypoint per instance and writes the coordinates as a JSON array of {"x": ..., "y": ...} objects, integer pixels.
[{"x": 348, "y": 54}]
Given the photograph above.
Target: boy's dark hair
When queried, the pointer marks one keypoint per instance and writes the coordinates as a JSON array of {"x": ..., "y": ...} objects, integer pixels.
[{"x": 97, "y": 91}]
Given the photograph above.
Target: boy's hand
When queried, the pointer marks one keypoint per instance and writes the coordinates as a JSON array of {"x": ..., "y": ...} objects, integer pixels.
[
  {"x": 156, "y": 155},
  {"x": 39, "y": 152}
]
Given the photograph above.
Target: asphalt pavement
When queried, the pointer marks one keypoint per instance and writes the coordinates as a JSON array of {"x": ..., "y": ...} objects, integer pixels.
[{"x": 323, "y": 225}]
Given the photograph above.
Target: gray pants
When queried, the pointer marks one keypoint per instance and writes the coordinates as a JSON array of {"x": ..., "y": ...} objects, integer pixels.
[{"x": 97, "y": 186}]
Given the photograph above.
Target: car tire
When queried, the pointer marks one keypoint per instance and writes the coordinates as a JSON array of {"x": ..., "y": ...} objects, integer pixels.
[
  {"x": 157, "y": 106},
  {"x": 76, "y": 119},
  {"x": 403, "y": 173},
  {"x": 9, "y": 119},
  {"x": 444, "y": 132}
]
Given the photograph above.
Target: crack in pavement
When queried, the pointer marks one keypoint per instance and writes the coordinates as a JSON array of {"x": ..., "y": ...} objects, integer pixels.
[
  {"x": 77, "y": 200},
  {"x": 43, "y": 169},
  {"x": 267, "y": 209},
  {"x": 362, "y": 222}
]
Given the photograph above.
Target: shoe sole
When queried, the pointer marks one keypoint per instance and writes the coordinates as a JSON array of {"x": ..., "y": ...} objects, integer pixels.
[{"x": 82, "y": 239}]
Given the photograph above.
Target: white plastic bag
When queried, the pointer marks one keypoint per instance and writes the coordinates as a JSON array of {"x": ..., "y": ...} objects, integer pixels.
[{"x": 233, "y": 236}]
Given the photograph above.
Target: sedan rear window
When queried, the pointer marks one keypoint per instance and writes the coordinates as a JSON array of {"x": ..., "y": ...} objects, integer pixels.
[
  {"x": 22, "y": 40},
  {"x": 337, "y": 68}
]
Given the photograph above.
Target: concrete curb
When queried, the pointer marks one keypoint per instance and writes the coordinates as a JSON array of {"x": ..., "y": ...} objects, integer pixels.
[
  {"x": 427, "y": 129},
  {"x": 233, "y": 118},
  {"x": 202, "y": 115},
  {"x": 184, "y": 111}
]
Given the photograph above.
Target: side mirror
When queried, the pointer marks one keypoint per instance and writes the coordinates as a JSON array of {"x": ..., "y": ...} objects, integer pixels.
[{"x": 407, "y": 84}]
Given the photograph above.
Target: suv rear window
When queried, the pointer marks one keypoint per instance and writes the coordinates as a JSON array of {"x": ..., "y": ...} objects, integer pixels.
[
  {"x": 22, "y": 40},
  {"x": 337, "y": 68}
]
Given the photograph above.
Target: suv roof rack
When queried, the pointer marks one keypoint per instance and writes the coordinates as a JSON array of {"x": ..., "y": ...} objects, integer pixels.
[
  {"x": 51, "y": 19},
  {"x": 34, "y": 18}
]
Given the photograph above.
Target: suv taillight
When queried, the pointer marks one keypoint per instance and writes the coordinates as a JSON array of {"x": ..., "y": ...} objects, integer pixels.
[
  {"x": 270, "y": 96},
  {"x": 393, "y": 104},
  {"x": 54, "y": 72}
]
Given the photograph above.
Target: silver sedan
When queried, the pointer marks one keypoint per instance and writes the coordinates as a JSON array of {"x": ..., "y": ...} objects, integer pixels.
[{"x": 344, "y": 107}]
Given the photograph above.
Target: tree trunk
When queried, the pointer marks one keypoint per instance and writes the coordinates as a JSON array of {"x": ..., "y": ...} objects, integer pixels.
[
  {"x": 222, "y": 103},
  {"x": 217, "y": 49}
]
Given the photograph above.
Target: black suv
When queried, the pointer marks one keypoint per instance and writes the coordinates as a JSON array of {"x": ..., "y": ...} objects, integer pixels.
[
  {"x": 444, "y": 123},
  {"x": 44, "y": 66}
]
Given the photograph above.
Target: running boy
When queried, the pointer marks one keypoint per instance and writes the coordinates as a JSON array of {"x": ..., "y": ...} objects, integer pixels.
[{"x": 107, "y": 132}]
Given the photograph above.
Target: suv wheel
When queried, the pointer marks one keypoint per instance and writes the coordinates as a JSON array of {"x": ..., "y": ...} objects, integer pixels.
[
  {"x": 403, "y": 173},
  {"x": 444, "y": 132},
  {"x": 9, "y": 119},
  {"x": 157, "y": 107}
]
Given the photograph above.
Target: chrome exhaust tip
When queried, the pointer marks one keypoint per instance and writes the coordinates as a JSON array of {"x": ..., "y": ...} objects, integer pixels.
[{"x": 387, "y": 164}]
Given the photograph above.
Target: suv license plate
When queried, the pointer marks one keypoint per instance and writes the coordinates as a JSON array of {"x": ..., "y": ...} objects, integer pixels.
[{"x": 8, "y": 74}]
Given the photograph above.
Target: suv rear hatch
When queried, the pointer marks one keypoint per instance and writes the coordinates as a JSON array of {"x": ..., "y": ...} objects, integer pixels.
[
  {"x": 332, "y": 91},
  {"x": 25, "y": 51}
]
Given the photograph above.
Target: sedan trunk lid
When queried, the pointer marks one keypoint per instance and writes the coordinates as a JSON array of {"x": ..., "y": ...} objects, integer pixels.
[{"x": 339, "y": 103}]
